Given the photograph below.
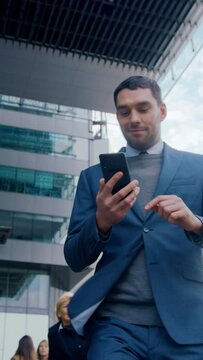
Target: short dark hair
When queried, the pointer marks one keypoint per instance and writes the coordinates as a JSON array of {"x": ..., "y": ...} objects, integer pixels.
[{"x": 135, "y": 82}]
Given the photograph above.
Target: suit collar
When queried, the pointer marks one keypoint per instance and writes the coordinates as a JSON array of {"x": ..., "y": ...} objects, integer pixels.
[{"x": 155, "y": 149}]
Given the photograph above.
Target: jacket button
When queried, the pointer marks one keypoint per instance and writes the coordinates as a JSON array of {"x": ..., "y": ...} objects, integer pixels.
[{"x": 146, "y": 230}]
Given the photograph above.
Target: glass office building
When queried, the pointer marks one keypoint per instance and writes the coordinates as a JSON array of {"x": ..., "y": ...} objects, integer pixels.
[{"x": 43, "y": 148}]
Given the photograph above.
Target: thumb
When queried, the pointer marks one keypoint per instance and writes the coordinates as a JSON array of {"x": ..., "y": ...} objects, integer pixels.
[{"x": 101, "y": 184}]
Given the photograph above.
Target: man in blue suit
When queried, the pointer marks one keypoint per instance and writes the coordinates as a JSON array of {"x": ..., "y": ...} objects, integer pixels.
[{"x": 145, "y": 300}]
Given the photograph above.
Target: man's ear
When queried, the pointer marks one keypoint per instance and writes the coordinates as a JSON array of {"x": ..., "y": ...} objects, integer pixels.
[{"x": 163, "y": 111}]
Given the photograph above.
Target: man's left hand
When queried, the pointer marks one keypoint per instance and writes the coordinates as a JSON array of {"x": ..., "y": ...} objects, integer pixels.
[{"x": 173, "y": 209}]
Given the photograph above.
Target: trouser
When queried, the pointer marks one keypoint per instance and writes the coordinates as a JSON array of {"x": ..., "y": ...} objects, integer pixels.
[{"x": 114, "y": 339}]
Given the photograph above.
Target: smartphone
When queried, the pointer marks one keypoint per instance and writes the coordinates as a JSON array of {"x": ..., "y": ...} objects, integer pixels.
[{"x": 112, "y": 163}]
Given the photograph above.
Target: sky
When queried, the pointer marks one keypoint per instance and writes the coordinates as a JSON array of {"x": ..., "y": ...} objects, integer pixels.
[{"x": 183, "y": 126}]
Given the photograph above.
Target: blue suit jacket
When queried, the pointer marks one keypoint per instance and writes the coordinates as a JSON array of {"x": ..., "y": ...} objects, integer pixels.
[{"x": 174, "y": 263}]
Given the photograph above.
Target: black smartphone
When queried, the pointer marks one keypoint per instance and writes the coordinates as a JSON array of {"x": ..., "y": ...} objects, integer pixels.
[{"x": 112, "y": 163}]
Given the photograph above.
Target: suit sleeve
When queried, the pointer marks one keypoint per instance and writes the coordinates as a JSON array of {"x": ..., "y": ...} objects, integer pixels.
[
  {"x": 196, "y": 239},
  {"x": 83, "y": 244}
]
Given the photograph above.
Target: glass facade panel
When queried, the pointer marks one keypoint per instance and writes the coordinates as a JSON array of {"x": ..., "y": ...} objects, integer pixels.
[
  {"x": 21, "y": 290},
  {"x": 37, "y": 182},
  {"x": 24, "y": 304},
  {"x": 183, "y": 61},
  {"x": 26, "y": 295},
  {"x": 43, "y": 142},
  {"x": 44, "y": 108},
  {"x": 35, "y": 227}
]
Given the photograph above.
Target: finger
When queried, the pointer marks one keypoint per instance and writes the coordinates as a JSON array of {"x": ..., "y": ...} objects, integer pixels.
[
  {"x": 101, "y": 184},
  {"x": 131, "y": 198},
  {"x": 161, "y": 201},
  {"x": 113, "y": 180},
  {"x": 132, "y": 187},
  {"x": 121, "y": 207},
  {"x": 152, "y": 204}
]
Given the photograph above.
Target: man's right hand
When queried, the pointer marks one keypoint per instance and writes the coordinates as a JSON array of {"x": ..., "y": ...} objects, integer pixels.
[{"x": 111, "y": 209}]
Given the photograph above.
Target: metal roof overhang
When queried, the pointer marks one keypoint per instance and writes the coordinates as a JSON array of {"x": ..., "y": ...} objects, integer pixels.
[{"x": 140, "y": 34}]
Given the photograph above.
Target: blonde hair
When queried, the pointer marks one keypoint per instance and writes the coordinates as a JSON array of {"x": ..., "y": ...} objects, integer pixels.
[{"x": 66, "y": 297}]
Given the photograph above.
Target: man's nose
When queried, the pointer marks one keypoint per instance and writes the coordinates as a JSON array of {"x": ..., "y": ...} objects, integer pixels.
[{"x": 134, "y": 117}]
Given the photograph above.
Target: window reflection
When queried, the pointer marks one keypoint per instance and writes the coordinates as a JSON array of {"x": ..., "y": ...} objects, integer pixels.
[
  {"x": 37, "y": 182},
  {"x": 24, "y": 303},
  {"x": 35, "y": 227},
  {"x": 44, "y": 108},
  {"x": 43, "y": 142},
  {"x": 23, "y": 290}
]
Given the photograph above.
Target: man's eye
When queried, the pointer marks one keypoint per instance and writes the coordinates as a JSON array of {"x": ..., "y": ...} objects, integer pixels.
[
  {"x": 143, "y": 110},
  {"x": 124, "y": 113}
]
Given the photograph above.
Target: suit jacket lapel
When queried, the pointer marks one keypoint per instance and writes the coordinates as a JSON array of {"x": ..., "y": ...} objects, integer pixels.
[{"x": 171, "y": 161}]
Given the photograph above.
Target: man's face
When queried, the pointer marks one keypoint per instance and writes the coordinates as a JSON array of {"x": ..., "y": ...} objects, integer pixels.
[{"x": 139, "y": 116}]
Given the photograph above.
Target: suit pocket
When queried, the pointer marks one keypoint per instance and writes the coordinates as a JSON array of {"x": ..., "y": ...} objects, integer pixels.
[{"x": 193, "y": 273}]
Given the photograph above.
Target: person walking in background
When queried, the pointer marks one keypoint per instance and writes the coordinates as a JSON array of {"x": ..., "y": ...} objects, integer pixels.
[
  {"x": 64, "y": 342},
  {"x": 25, "y": 350},
  {"x": 43, "y": 350},
  {"x": 145, "y": 300}
]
